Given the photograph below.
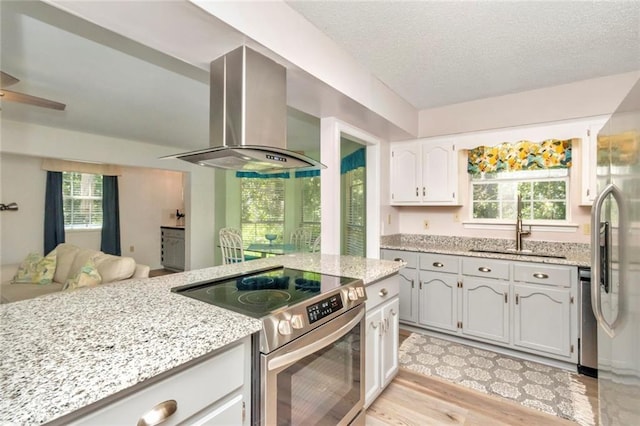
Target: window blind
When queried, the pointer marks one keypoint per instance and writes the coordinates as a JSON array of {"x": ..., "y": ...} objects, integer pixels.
[{"x": 82, "y": 200}]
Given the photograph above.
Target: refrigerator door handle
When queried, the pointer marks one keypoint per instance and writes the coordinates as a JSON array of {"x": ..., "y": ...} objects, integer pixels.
[{"x": 596, "y": 216}]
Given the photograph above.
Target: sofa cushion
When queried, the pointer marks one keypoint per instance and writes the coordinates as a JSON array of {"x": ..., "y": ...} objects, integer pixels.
[
  {"x": 88, "y": 275},
  {"x": 114, "y": 268},
  {"x": 83, "y": 256},
  {"x": 36, "y": 269},
  {"x": 66, "y": 256}
]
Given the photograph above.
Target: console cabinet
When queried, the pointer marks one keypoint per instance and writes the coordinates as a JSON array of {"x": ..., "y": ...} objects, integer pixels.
[
  {"x": 214, "y": 391},
  {"x": 172, "y": 244},
  {"x": 424, "y": 172},
  {"x": 382, "y": 336}
]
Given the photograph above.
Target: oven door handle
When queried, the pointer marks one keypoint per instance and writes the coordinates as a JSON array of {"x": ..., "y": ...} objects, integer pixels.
[{"x": 297, "y": 354}]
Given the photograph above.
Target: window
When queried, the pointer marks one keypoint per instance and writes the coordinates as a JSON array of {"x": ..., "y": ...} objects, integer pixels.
[
  {"x": 544, "y": 195},
  {"x": 355, "y": 212},
  {"x": 262, "y": 208},
  {"x": 310, "y": 205},
  {"x": 82, "y": 200}
]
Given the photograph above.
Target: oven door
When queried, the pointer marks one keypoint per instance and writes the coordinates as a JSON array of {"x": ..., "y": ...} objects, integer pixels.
[{"x": 317, "y": 378}]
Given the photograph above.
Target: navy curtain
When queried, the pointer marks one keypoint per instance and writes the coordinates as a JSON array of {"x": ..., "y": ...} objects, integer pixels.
[
  {"x": 110, "y": 242},
  {"x": 53, "y": 212}
]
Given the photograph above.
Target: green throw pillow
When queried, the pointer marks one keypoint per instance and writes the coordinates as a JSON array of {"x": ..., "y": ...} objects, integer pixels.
[
  {"x": 36, "y": 269},
  {"x": 87, "y": 276}
]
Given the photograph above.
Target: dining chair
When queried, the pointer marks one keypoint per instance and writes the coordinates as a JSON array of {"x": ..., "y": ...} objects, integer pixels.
[
  {"x": 301, "y": 238},
  {"x": 231, "y": 246},
  {"x": 315, "y": 247}
]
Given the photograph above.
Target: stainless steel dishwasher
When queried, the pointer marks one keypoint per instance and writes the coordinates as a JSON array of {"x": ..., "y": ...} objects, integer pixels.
[{"x": 588, "y": 340}]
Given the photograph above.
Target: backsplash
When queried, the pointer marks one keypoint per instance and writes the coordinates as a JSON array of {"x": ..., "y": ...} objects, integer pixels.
[{"x": 468, "y": 243}]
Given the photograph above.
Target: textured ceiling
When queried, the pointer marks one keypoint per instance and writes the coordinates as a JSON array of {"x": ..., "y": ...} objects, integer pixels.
[{"x": 435, "y": 53}]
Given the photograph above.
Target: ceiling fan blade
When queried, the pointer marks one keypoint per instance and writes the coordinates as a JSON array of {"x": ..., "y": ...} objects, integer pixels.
[
  {"x": 7, "y": 80},
  {"x": 8, "y": 95}
]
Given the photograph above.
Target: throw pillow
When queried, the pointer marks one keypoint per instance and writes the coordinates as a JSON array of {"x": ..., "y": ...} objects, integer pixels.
[
  {"x": 36, "y": 269},
  {"x": 87, "y": 276}
]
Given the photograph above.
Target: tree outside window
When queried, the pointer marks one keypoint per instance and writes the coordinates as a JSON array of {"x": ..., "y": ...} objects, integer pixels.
[
  {"x": 261, "y": 209},
  {"x": 82, "y": 200}
]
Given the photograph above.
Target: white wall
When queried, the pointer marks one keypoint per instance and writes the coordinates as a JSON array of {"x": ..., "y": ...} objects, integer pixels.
[
  {"x": 569, "y": 101},
  {"x": 199, "y": 196},
  {"x": 148, "y": 197}
]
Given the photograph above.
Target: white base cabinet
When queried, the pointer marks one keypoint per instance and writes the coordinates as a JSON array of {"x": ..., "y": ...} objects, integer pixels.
[
  {"x": 525, "y": 306},
  {"x": 382, "y": 336},
  {"x": 408, "y": 282},
  {"x": 216, "y": 391}
]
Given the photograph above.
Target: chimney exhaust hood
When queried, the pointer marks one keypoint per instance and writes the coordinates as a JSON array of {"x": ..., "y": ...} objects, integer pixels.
[{"x": 248, "y": 117}]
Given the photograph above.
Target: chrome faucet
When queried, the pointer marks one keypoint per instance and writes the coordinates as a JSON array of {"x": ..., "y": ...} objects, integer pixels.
[{"x": 519, "y": 231}]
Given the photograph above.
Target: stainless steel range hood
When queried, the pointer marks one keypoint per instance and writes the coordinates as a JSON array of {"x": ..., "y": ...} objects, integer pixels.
[{"x": 248, "y": 117}]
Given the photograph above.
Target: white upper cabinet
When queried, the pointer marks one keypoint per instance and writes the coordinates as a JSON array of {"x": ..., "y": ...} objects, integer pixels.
[
  {"x": 589, "y": 164},
  {"x": 424, "y": 172}
]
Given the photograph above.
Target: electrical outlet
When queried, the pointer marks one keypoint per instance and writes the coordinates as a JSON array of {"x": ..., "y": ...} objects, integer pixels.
[
  {"x": 586, "y": 228},
  {"x": 131, "y": 249},
  {"x": 389, "y": 219},
  {"x": 426, "y": 224},
  {"x": 456, "y": 217}
]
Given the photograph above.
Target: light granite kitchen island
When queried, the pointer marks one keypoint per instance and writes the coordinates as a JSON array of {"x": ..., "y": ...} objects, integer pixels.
[{"x": 62, "y": 352}]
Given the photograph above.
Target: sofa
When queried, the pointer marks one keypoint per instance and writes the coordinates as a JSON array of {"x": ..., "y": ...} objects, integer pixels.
[{"x": 69, "y": 262}]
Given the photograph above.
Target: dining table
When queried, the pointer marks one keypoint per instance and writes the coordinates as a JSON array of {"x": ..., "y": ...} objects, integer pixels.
[{"x": 274, "y": 248}]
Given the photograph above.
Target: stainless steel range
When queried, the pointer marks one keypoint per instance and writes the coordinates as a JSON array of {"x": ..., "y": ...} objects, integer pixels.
[{"x": 308, "y": 356}]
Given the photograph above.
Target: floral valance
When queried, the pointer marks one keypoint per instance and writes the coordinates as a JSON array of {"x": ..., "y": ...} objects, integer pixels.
[{"x": 522, "y": 155}]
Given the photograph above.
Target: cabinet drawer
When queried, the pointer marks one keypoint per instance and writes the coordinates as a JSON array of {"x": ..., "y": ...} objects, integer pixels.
[
  {"x": 193, "y": 389},
  {"x": 543, "y": 274},
  {"x": 410, "y": 257},
  {"x": 439, "y": 263},
  {"x": 488, "y": 268},
  {"x": 382, "y": 291},
  {"x": 172, "y": 233}
]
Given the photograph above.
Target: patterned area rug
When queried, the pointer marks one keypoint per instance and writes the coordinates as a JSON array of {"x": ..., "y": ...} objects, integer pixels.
[{"x": 548, "y": 389}]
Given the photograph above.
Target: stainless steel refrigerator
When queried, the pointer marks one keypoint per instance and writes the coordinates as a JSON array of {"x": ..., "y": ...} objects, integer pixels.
[{"x": 615, "y": 248}]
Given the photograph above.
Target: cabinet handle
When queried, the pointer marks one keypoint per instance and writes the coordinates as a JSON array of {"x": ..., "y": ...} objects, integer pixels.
[
  {"x": 412, "y": 284},
  {"x": 398, "y": 259},
  {"x": 374, "y": 325},
  {"x": 540, "y": 275},
  {"x": 484, "y": 269},
  {"x": 506, "y": 298},
  {"x": 438, "y": 264},
  {"x": 393, "y": 313},
  {"x": 159, "y": 413},
  {"x": 417, "y": 193},
  {"x": 424, "y": 191},
  {"x": 420, "y": 285},
  {"x": 383, "y": 292},
  {"x": 517, "y": 298}
]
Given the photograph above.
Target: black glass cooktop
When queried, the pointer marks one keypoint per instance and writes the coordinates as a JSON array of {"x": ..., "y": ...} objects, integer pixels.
[{"x": 260, "y": 293}]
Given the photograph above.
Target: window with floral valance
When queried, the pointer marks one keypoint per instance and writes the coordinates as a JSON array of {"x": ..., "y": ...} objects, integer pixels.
[
  {"x": 522, "y": 155},
  {"x": 536, "y": 171}
]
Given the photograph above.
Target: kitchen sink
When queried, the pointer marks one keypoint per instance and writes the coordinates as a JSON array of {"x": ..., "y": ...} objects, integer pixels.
[{"x": 519, "y": 253}]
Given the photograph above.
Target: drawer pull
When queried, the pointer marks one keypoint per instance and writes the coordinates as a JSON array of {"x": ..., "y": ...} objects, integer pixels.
[
  {"x": 398, "y": 259},
  {"x": 484, "y": 269},
  {"x": 159, "y": 413},
  {"x": 540, "y": 275},
  {"x": 393, "y": 313},
  {"x": 374, "y": 325},
  {"x": 438, "y": 264},
  {"x": 383, "y": 292}
]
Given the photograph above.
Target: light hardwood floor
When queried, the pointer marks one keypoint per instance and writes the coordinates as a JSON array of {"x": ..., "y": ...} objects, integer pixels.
[{"x": 414, "y": 399}]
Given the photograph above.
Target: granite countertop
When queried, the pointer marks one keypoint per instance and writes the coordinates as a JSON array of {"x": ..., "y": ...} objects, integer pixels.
[
  {"x": 66, "y": 350},
  {"x": 575, "y": 254}
]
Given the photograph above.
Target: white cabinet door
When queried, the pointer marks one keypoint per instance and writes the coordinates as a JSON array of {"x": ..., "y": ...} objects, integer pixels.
[
  {"x": 439, "y": 174},
  {"x": 373, "y": 379},
  {"x": 408, "y": 296},
  {"x": 485, "y": 309},
  {"x": 438, "y": 300},
  {"x": 542, "y": 319},
  {"x": 389, "y": 342},
  {"x": 405, "y": 173}
]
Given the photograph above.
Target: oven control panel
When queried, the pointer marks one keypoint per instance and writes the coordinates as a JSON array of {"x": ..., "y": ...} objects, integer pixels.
[{"x": 324, "y": 308}]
